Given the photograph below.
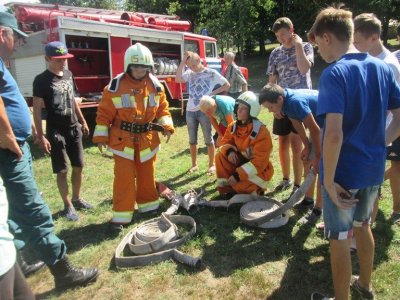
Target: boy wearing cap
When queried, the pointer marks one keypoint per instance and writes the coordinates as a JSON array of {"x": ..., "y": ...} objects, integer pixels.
[
  {"x": 29, "y": 216},
  {"x": 54, "y": 91}
]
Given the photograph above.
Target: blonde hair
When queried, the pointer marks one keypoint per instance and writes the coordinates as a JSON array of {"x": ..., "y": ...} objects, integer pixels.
[
  {"x": 367, "y": 24},
  {"x": 193, "y": 58},
  {"x": 332, "y": 20},
  {"x": 230, "y": 54},
  {"x": 206, "y": 102}
]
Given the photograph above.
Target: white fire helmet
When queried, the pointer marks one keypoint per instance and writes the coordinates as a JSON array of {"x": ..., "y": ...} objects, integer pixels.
[
  {"x": 138, "y": 54},
  {"x": 250, "y": 99}
]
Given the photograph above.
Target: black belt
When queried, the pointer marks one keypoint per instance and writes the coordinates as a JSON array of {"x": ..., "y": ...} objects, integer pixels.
[
  {"x": 140, "y": 128},
  {"x": 21, "y": 143}
]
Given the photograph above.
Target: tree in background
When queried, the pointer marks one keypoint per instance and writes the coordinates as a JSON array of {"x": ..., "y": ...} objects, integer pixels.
[
  {"x": 101, "y": 4},
  {"x": 241, "y": 24}
]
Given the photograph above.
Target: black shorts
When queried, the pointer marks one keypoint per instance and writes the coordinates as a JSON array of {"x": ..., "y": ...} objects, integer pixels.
[
  {"x": 393, "y": 151},
  {"x": 65, "y": 142},
  {"x": 282, "y": 126}
]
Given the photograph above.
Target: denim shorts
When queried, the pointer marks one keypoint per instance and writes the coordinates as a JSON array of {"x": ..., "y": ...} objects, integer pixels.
[
  {"x": 193, "y": 119},
  {"x": 339, "y": 222}
]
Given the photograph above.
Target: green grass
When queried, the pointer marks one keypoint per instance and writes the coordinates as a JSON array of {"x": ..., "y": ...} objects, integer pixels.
[{"x": 239, "y": 262}]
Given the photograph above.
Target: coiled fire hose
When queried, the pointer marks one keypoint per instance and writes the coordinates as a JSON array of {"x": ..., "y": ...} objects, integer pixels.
[{"x": 156, "y": 240}]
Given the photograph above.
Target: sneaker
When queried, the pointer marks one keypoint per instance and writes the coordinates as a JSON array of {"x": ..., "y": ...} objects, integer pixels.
[
  {"x": 319, "y": 296},
  {"x": 307, "y": 203},
  {"x": 295, "y": 188},
  {"x": 115, "y": 228},
  {"x": 70, "y": 214},
  {"x": 364, "y": 293},
  {"x": 282, "y": 186},
  {"x": 311, "y": 217},
  {"x": 81, "y": 204}
]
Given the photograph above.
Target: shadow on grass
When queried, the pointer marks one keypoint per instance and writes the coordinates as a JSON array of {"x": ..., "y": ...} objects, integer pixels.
[
  {"x": 256, "y": 247},
  {"x": 304, "y": 269},
  {"x": 184, "y": 178},
  {"x": 186, "y": 152},
  {"x": 92, "y": 234}
]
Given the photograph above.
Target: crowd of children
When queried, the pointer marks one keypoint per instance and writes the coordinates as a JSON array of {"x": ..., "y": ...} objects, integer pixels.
[{"x": 345, "y": 131}]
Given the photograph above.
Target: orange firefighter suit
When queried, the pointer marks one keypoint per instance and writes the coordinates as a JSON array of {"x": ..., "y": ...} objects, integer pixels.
[
  {"x": 253, "y": 145},
  {"x": 125, "y": 104}
]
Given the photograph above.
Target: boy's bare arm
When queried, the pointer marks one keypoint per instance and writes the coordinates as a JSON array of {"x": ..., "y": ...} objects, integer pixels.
[{"x": 303, "y": 64}]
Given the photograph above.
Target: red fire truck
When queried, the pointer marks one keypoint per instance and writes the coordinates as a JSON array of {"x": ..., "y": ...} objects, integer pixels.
[{"x": 98, "y": 39}]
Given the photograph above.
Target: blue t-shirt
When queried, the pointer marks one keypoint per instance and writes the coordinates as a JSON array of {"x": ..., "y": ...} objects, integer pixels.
[
  {"x": 15, "y": 104},
  {"x": 298, "y": 104},
  {"x": 225, "y": 106},
  {"x": 361, "y": 88}
]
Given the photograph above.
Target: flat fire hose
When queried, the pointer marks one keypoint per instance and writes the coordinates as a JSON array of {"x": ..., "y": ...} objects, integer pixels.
[
  {"x": 260, "y": 211},
  {"x": 156, "y": 240},
  {"x": 273, "y": 214}
]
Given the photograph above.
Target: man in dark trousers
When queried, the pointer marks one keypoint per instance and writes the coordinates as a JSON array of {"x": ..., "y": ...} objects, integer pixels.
[{"x": 29, "y": 216}]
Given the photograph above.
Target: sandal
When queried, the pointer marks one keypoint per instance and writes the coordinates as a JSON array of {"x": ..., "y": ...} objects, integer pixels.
[
  {"x": 193, "y": 169},
  {"x": 211, "y": 171}
]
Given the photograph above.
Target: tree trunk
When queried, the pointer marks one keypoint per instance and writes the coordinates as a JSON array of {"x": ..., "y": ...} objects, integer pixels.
[{"x": 261, "y": 43}]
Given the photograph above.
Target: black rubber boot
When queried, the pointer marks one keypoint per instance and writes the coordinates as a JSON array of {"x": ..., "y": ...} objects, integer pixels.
[
  {"x": 67, "y": 276},
  {"x": 25, "y": 267}
]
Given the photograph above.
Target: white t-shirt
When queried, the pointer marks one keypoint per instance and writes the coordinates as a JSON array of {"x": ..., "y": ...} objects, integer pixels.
[
  {"x": 7, "y": 248},
  {"x": 199, "y": 84},
  {"x": 389, "y": 58},
  {"x": 397, "y": 54}
]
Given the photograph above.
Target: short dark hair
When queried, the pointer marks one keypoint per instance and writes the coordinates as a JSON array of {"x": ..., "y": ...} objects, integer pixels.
[
  {"x": 367, "y": 24},
  {"x": 282, "y": 23},
  {"x": 337, "y": 21},
  {"x": 270, "y": 93}
]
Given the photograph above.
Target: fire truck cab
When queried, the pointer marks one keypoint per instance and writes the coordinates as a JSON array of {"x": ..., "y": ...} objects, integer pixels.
[{"x": 98, "y": 39}]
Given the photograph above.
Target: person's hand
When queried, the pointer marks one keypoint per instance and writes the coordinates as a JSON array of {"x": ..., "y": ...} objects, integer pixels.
[
  {"x": 44, "y": 144},
  {"x": 85, "y": 129},
  {"x": 232, "y": 180},
  {"x": 167, "y": 133},
  {"x": 340, "y": 196},
  {"x": 297, "y": 40},
  {"x": 10, "y": 143},
  {"x": 101, "y": 146},
  {"x": 186, "y": 56},
  {"x": 219, "y": 140},
  {"x": 233, "y": 158},
  {"x": 305, "y": 153},
  {"x": 279, "y": 115},
  {"x": 315, "y": 165}
]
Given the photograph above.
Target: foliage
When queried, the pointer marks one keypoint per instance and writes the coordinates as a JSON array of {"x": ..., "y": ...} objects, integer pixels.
[
  {"x": 101, "y": 4},
  {"x": 242, "y": 23}
]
